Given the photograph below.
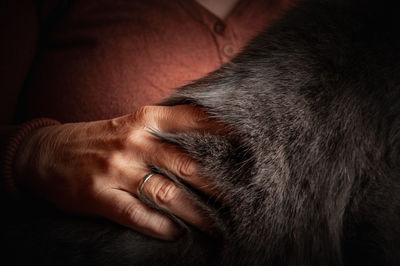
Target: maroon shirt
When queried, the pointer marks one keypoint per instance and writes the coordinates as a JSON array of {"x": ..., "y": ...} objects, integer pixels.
[{"x": 102, "y": 59}]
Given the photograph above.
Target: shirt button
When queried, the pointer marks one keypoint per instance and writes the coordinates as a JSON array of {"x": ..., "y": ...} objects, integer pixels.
[
  {"x": 219, "y": 27},
  {"x": 228, "y": 50}
]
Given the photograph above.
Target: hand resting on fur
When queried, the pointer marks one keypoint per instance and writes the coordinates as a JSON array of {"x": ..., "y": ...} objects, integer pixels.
[{"x": 309, "y": 174}]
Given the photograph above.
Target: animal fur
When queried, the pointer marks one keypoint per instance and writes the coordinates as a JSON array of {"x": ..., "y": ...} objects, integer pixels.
[{"x": 310, "y": 170}]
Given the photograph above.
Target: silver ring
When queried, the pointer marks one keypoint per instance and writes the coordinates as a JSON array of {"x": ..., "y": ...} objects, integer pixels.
[{"x": 143, "y": 181}]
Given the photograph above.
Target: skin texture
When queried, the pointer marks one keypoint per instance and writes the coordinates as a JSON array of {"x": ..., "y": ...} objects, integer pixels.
[
  {"x": 308, "y": 173},
  {"x": 94, "y": 168}
]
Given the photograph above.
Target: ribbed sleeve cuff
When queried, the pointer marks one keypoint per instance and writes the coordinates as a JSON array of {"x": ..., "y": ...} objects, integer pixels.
[{"x": 12, "y": 146}]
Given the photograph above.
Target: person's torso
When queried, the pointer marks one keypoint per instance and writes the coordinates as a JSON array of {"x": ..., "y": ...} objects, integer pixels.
[{"x": 103, "y": 59}]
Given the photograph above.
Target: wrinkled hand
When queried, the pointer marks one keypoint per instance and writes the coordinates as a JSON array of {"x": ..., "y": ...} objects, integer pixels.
[{"x": 94, "y": 168}]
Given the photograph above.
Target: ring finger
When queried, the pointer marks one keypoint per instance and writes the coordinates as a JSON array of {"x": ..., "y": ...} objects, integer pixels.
[{"x": 165, "y": 194}]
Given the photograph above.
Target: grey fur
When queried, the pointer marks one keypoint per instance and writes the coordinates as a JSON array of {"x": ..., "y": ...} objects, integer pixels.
[{"x": 310, "y": 168}]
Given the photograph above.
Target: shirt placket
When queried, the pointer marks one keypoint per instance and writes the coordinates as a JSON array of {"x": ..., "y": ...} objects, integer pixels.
[
  {"x": 224, "y": 40},
  {"x": 223, "y": 33}
]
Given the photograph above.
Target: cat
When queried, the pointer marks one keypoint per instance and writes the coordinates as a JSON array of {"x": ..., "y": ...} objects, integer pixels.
[{"x": 309, "y": 173}]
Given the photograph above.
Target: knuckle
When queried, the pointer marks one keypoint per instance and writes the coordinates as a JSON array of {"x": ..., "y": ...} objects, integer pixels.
[
  {"x": 135, "y": 215},
  {"x": 113, "y": 125},
  {"x": 160, "y": 229},
  {"x": 117, "y": 142},
  {"x": 165, "y": 193},
  {"x": 135, "y": 137},
  {"x": 164, "y": 227},
  {"x": 185, "y": 166}
]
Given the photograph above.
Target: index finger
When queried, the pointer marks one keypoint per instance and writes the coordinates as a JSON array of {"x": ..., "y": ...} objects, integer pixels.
[{"x": 178, "y": 118}]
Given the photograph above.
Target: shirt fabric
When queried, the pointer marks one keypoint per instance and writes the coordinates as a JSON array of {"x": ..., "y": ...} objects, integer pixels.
[{"x": 100, "y": 59}]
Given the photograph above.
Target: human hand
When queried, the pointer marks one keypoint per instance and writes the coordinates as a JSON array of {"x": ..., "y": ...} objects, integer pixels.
[{"x": 95, "y": 168}]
